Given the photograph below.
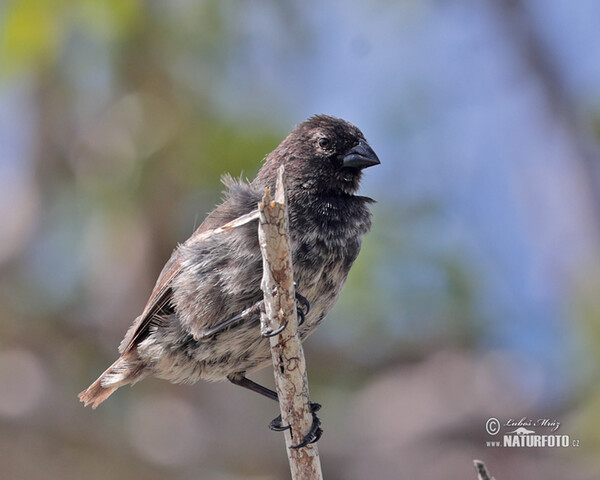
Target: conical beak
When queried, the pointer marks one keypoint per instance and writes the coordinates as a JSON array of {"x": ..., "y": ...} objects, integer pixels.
[{"x": 361, "y": 156}]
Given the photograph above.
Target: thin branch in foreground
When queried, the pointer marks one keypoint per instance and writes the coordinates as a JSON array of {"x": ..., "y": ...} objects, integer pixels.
[
  {"x": 286, "y": 348},
  {"x": 482, "y": 472},
  {"x": 238, "y": 222}
]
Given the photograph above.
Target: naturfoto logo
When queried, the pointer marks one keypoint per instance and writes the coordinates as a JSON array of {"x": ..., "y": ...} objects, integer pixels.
[{"x": 526, "y": 432}]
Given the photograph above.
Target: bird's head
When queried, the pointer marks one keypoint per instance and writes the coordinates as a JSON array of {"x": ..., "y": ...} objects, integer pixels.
[{"x": 323, "y": 154}]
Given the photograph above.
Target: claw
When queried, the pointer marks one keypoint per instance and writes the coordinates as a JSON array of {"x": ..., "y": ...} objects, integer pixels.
[
  {"x": 301, "y": 316},
  {"x": 305, "y": 303},
  {"x": 315, "y": 432},
  {"x": 275, "y": 332},
  {"x": 318, "y": 435},
  {"x": 276, "y": 425},
  {"x": 302, "y": 313},
  {"x": 313, "y": 435}
]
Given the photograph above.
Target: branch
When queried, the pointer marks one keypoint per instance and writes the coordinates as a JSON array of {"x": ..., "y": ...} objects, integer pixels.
[
  {"x": 482, "y": 472},
  {"x": 238, "y": 222},
  {"x": 286, "y": 349}
]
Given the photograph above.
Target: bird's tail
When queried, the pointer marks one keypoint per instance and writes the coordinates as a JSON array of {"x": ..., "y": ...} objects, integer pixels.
[{"x": 127, "y": 369}]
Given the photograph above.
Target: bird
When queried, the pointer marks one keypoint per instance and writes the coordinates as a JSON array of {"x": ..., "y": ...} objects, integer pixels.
[{"x": 202, "y": 319}]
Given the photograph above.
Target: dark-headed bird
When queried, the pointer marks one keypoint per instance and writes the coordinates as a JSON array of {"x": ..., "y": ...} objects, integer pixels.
[{"x": 202, "y": 319}]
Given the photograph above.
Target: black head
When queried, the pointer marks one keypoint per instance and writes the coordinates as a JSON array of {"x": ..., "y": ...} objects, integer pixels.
[{"x": 322, "y": 154}]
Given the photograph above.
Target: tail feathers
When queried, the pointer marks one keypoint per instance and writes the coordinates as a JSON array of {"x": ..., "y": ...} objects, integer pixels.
[
  {"x": 96, "y": 393},
  {"x": 127, "y": 369}
]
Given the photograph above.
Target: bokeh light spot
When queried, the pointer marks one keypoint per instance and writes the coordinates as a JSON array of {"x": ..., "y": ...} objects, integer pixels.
[
  {"x": 166, "y": 431},
  {"x": 22, "y": 382}
]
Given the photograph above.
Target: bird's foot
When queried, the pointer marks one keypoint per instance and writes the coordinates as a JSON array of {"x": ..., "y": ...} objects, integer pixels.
[
  {"x": 302, "y": 308},
  {"x": 275, "y": 332},
  {"x": 277, "y": 426},
  {"x": 315, "y": 432},
  {"x": 313, "y": 435}
]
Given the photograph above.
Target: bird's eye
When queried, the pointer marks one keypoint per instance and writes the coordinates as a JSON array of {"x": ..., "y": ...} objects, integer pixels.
[{"x": 324, "y": 142}]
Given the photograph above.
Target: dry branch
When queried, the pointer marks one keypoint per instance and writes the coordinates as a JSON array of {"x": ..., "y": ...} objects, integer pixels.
[
  {"x": 482, "y": 472},
  {"x": 280, "y": 307},
  {"x": 238, "y": 222}
]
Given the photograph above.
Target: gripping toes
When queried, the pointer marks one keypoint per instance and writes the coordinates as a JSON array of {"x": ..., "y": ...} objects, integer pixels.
[
  {"x": 277, "y": 426},
  {"x": 315, "y": 432},
  {"x": 313, "y": 435},
  {"x": 302, "y": 308}
]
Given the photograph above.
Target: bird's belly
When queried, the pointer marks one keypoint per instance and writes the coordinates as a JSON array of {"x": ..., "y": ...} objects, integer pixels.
[{"x": 321, "y": 287}]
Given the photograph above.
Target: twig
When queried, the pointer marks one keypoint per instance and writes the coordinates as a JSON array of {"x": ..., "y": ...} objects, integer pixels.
[
  {"x": 280, "y": 307},
  {"x": 238, "y": 222},
  {"x": 482, "y": 471}
]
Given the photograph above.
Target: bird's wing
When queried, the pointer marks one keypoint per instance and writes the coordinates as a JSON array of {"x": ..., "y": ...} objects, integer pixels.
[
  {"x": 158, "y": 304},
  {"x": 241, "y": 199}
]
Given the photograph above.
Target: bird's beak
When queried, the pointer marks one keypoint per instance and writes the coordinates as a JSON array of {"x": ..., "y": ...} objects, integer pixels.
[{"x": 361, "y": 156}]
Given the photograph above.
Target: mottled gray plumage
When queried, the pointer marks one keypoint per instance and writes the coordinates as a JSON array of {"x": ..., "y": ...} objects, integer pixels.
[{"x": 207, "y": 282}]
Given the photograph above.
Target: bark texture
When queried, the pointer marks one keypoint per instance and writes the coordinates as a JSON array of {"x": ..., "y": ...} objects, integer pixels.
[{"x": 280, "y": 309}]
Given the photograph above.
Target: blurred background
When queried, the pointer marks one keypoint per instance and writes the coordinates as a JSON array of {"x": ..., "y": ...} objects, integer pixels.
[{"x": 476, "y": 295}]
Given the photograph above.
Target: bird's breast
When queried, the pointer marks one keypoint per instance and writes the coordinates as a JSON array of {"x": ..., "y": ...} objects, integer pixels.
[{"x": 325, "y": 243}]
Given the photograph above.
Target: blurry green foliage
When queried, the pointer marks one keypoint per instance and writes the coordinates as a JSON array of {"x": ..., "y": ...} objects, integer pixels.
[
  {"x": 31, "y": 33},
  {"x": 34, "y": 32}
]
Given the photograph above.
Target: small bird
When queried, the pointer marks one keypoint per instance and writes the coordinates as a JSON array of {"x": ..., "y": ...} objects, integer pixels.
[{"x": 202, "y": 318}]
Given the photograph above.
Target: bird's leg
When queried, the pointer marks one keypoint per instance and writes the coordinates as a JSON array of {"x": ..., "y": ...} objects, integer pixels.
[
  {"x": 249, "y": 312},
  {"x": 315, "y": 431},
  {"x": 242, "y": 381}
]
